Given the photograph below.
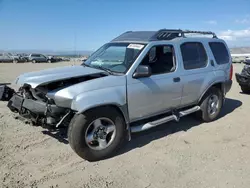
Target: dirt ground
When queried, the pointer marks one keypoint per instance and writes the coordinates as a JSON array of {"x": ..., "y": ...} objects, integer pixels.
[{"x": 176, "y": 155}]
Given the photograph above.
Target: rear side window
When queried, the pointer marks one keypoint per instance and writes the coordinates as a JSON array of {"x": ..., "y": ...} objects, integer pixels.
[
  {"x": 220, "y": 52},
  {"x": 193, "y": 55}
]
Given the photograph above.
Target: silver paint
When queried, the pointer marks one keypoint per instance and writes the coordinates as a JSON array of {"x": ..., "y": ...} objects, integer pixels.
[{"x": 136, "y": 98}]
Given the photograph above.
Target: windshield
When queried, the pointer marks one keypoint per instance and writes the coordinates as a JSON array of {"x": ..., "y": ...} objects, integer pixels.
[{"x": 116, "y": 57}]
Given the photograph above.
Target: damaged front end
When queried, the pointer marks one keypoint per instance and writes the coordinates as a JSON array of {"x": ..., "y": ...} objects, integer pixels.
[
  {"x": 45, "y": 97},
  {"x": 35, "y": 107}
]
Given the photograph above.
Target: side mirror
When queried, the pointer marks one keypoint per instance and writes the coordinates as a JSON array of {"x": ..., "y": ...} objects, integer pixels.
[{"x": 142, "y": 71}]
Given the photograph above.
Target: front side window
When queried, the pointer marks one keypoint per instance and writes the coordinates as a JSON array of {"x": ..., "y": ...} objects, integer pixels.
[
  {"x": 193, "y": 55},
  {"x": 220, "y": 52},
  {"x": 161, "y": 59},
  {"x": 116, "y": 57}
]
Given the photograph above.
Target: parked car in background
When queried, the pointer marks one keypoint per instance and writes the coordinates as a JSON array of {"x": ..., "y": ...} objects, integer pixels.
[
  {"x": 238, "y": 59},
  {"x": 10, "y": 58},
  {"x": 24, "y": 57},
  {"x": 52, "y": 59},
  {"x": 38, "y": 58}
]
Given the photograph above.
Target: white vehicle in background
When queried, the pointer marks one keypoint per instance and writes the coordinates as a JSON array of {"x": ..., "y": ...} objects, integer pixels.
[{"x": 239, "y": 58}]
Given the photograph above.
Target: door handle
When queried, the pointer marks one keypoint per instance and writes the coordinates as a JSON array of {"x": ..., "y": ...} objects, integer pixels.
[{"x": 177, "y": 79}]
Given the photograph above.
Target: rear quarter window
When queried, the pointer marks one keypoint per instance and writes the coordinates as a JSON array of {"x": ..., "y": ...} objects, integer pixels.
[
  {"x": 220, "y": 52},
  {"x": 193, "y": 55}
]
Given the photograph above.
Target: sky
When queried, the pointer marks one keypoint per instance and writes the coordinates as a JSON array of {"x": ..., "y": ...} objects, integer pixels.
[{"x": 65, "y": 25}]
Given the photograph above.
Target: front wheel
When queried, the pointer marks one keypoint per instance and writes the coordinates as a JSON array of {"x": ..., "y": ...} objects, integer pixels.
[
  {"x": 211, "y": 105},
  {"x": 97, "y": 134},
  {"x": 33, "y": 61}
]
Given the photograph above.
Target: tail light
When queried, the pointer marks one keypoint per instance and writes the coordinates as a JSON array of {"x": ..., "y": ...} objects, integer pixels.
[{"x": 231, "y": 72}]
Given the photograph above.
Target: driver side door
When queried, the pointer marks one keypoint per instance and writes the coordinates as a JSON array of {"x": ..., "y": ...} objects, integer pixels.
[{"x": 162, "y": 91}]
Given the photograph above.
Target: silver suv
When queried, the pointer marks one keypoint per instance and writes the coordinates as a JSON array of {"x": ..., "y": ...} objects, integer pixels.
[
  {"x": 137, "y": 81},
  {"x": 37, "y": 58}
]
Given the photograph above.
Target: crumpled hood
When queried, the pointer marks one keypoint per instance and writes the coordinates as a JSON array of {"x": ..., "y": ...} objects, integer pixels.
[{"x": 50, "y": 75}]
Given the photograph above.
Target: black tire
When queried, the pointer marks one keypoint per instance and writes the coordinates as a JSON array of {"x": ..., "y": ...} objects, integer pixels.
[
  {"x": 33, "y": 61},
  {"x": 15, "y": 61},
  {"x": 204, "y": 113},
  {"x": 78, "y": 127},
  {"x": 245, "y": 89}
]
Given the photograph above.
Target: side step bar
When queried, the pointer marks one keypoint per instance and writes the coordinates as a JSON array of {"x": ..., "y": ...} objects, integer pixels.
[{"x": 155, "y": 123}]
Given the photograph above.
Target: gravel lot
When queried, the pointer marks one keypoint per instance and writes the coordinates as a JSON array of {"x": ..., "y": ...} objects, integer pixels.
[{"x": 187, "y": 154}]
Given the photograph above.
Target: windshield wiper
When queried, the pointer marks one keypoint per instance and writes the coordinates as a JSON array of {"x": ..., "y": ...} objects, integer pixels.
[
  {"x": 85, "y": 65},
  {"x": 103, "y": 68}
]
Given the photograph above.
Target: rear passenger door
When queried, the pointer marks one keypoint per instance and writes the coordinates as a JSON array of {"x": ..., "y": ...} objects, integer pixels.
[
  {"x": 196, "y": 73},
  {"x": 43, "y": 58}
]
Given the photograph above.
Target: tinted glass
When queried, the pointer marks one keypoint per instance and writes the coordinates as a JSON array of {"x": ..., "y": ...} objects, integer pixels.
[
  {"x": 160, "y": 59},
  {"x": 220, "y": 52},
  {"x": 194, "y": 55}
]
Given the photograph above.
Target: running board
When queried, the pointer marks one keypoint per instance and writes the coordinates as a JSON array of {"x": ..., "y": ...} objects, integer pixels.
[{"x": 155, "y": 123}]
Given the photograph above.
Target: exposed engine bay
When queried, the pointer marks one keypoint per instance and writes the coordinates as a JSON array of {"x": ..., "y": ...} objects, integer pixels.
[{"x": 34, "y": 104}]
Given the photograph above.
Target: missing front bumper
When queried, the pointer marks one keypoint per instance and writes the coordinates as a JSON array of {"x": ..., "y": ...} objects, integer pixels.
[{"x": 17, "y": 103}]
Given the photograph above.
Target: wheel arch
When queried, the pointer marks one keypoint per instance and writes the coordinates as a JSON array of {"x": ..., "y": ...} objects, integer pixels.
[
  {"x": 123, "y": 110},
  {"x": 219, "y": 85}
]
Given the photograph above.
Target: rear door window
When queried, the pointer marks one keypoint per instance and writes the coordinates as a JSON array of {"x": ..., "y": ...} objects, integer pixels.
[
  {"x": 193, "y": 55},
  {"x": 220, "y": 52}
]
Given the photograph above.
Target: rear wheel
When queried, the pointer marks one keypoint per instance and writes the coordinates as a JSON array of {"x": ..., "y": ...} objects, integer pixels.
[
  {"x": 245, "y": 89},
  {"x": 49, "y": 61},
  {"x": 33, "y": 61},
  {"x": 211, "y": 105},
  {"x": 97, "y": 134}
]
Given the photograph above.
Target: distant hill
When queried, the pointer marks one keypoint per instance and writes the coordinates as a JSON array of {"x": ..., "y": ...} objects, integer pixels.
[{"x": 240, "y": 50}]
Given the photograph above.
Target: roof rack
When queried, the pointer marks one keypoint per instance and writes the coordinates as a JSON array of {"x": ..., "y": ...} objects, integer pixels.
[
  {"x": 163, "y": 34},
  {"x": 169, "y": 34}
]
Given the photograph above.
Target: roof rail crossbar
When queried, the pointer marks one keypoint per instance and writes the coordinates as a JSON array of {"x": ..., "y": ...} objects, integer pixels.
[
  {"x": 169, "y": 34},
  {"x": 200, "y": 32}
]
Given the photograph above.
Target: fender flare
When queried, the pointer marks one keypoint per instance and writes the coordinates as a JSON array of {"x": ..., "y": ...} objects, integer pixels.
[{"x": 212, "y": 85}]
